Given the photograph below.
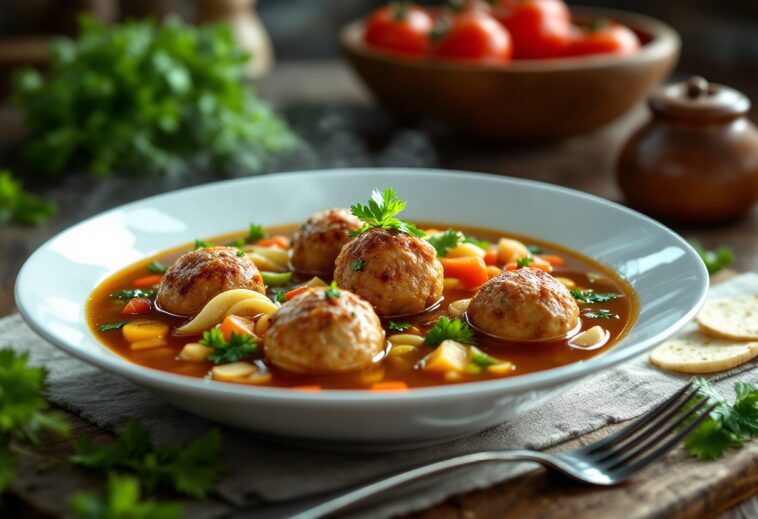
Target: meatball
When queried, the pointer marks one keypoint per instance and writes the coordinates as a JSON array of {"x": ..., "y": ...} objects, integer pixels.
[
  {"x": 397, "y": 273},
  {"x": 524, "y": 304},
  {"x": 200, "y": 275},
  {"x": 319, "y": 240},
  {"x": 324, "y": 331}
]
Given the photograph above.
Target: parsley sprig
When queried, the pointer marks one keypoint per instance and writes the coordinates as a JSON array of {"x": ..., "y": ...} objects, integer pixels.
[
  {"x": 445, "y": 329},
  {"x": 238, "y": 347},
  {"x": 715, "y": 260},
  {"x": 450, "y": 239},
  {"x": 729, "y": 425},
  {"x": 16, "y": 205},
  {"x": 122, "y": 501},
  {"x": 380, "y": 214},
  {"x": 590, "y": 296}
]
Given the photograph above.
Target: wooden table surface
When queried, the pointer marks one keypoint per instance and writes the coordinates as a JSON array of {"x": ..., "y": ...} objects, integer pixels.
[{"x": 342, "y": 127}]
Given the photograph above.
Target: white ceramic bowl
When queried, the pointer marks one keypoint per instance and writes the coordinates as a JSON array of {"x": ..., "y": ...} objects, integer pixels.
[{"x": 666, "y": 273}]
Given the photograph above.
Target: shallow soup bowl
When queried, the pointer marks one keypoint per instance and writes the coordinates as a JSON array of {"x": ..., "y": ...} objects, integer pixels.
[{"x": 668, "y": 277}]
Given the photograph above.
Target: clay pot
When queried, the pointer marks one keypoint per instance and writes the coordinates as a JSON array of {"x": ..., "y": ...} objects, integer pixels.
[{"x": 696, "y": 160}]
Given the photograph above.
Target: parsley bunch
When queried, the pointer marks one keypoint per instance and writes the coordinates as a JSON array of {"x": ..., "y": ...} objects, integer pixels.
[
  {"x": 16, "y": 205},
  {"x": 238, "y": 347},
  {"x": 729, "y": 425},
  {"x": 380, "y": 214},
  {"x": 445, "y": 329},
  {"x": 145, "y": 98},
  {"x": 715, "y": 260}
]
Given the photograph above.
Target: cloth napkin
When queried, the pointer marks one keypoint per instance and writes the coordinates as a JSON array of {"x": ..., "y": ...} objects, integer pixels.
[{"x": 262, "y": 471}]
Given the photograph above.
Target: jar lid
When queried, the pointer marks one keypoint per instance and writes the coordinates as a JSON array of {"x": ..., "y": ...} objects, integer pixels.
[{"x": 698, "y": 100}]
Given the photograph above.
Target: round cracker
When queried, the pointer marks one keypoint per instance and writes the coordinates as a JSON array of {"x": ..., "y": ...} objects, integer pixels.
[
  {"x": 699, "y": 353},
  {"x": 734, "y": 318}
]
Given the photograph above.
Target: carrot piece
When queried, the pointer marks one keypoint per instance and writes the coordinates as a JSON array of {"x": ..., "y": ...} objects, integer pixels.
[
  {"x": 541, "y": 264},
  {"x": 493, "y": 271},
  {"x": 389, "y": 385},
  {"x": 278, "y": 240},
  {"x": 294, "y": 292},
  {"x": 490, "y": 257},
  {"x": 313, "y": 387},
  {"x": 471, "y": 270},
  {"x": 238, "y": 325},
  {"x": 147, "y": 281},
  {"x": 137, "y": 306},
  {"x": 511, "y": 266},
  {"x": 554, "y": 260}
]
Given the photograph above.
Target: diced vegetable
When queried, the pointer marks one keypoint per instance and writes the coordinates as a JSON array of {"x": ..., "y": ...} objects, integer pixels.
[
  {"x": 147, "y": 281},
  {"x": 238, "y": 325},
  {"x": 456, "y": 308},
  {"x": 276, "y": 279},
  {"x": 295, "y": 292},
  {"x": 194, "y": 352},
  {"x": 493, "y": 271},
  {"x": 389, "y": 385},
  {"x": 471, "y": 271},
  {"x": 592, "y": 337},
  {"x": 315, "y": 282},
  {"x": 449, "y": 356},
  {"x": 464, "y": 250},
  {"x": 277, "y": 240},
  {"x": 402, "y": 350},
  {"x": 233, "y": 370},
  {"x": 482, "y": 359},
  {"x": 510, "y": 251},
  {"x": 452, "y": 284},
  {"x": 566, "y": 282},
  {"x": 504, "y": 368},
  {"x": 144, "y": 329},
  {"x": 490, "y": 257},
  {"x": 473, "y": 369},
  {"x": 148, "y": 344},
  {"x": 406, "y": 338},
  {"x": 137, "y": 306},
  {"x": 554, "y": 260}
]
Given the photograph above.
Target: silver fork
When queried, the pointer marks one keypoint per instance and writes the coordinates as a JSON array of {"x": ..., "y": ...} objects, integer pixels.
[{"x": 605, "y": 462}]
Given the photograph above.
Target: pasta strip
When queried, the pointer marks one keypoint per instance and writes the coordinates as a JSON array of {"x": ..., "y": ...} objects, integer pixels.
[
  {"x": 215, "y": 310},
  {"x": 251, "y": 308}
]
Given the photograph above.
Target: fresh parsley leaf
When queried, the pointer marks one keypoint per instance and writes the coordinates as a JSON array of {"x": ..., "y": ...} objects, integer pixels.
[
  {"x": 600, "y": 314},
  {"x": 481, "y": 359},
  {"x": 715, "y": 260},
  {"x": 399, "y": 327},
  {"x": 157, "y": 268},
  {"x": 332, "y": 292},
  {"x": 380, "y": 214},
  {"x": 112, "y": 326},
  {"x": 524, "y": 262},
  {"x": 146, "y": 98},
  {"x": 192, "y": 469},
  {"x": 122, "y": 502},
  {"x": 16, "y": 205},
  {"x": 240, "y": 254},
  {"x": 709, "y": 441},
  {"x": 132, "y": 293},
  {"x": 200, "y": 244},
  {"x": 254, "y": 233},
  {"x": 280, "y": 294},
  {"x": 482, "y": 244},
  {"x": 590, "y": 296},
  {"x": 445, "y": 329},
  {"x": 358, "y": 264},
  {"x": 239, "y": 243},
  {"x": 445, "y": 241},
  {"x": 238, "y": 347},
  {"x": 535, "y": 249}
]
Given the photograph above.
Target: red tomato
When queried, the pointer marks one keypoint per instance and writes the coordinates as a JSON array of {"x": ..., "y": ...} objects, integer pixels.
[
  {"x": 399, "y": 27},
  {"x": 475, "y": 35},
  {"x": 137, "y": 306},
  {"x": 539, "y": 28},
  {"x": 603, "y": 37}
]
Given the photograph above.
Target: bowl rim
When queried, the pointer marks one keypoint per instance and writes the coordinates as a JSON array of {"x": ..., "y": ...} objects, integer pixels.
[
  {"x": 664, "y": 42},
  {"x": 530, "y": 381}
]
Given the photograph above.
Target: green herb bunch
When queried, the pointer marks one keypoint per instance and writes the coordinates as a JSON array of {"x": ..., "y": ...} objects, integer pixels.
[
  {"x": 142, "y": 98},
  {"x": 16, "y": 205}
]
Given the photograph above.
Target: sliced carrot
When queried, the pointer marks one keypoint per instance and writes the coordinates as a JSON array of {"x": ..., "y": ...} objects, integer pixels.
[
  {"x": 490, "y": 258},
  {"x": 493, "y": 271},
  {"x": 278, "y": 240},
  {"x": 147, "y": 281},
  {"x": 544, "y": 265},
  {"x": 307, "y": 388},
  {"x": 554, "y": 260},
  {"x": 511, "y": 266},
  {"x": 238, "y": 325},
  {"x": 297, "y": 291},
  {"x": 137, "y": 306},
  {"x": 389, "y": 385},
  {"x": 471, "y": 270}
]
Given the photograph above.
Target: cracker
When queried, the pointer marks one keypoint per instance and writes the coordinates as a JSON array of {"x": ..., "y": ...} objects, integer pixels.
[
  {"x": 699, "y": 353},
  {"x": 733, "y": 318}
]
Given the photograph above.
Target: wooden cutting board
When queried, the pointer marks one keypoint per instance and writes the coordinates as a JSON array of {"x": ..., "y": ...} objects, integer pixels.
[{"x": 678, "y": 486}]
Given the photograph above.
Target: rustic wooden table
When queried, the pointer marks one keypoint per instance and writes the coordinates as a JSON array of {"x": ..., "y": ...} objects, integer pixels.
[{"x": 343, "y": 128}]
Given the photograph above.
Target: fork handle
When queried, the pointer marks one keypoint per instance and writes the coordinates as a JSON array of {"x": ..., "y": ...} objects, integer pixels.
[{"x": 356, "y": 496}]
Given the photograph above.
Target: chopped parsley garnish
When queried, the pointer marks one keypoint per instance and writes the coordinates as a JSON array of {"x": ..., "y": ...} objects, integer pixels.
[
  {"x": 481, "y": 359},
  {"x": 137, "y": 292},
  {"x": 112, "y": 326},
  {"x": 157, "y": 268},
  {"x": 240, "y": 254},
  {"x": 445, "y": 329},
  {"x": 200, "y": 244},
  {"x": 358, "y": 264},
  {"x": 524, "y": 262},
  {"x": 590, "y": 296},
  {"x": 280, "y": 294},
  {"x": 332, "y": 292},
  {"x": 729, "y": 425},
  {"x": 238, "y": 347},
  {"x": 192, "y": 469},
  {"x": 380, "y": 214},
  {"x": 399, "y": 327},
  {"x": 450, "y": 239},
  {"x": 534, "y": 249},
  {"x": 254, "y": 233},
  {"x": 600, "y": 314},
  {"x": 715, "y": 260}
]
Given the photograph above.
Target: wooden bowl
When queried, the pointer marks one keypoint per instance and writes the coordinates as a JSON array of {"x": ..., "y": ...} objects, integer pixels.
[{"x": 526, "y": 99}]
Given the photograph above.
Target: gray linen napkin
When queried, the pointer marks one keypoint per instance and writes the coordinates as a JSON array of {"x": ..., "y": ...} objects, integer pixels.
[{"x": 263, "y": 471}]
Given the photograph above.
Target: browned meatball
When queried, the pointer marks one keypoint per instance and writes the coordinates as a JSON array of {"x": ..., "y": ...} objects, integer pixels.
[
  {"x": 319, "y": 240},
  {"x": 324, "y": 331},
  {"x": 397, "y": 273},
  {"x": 200, "y": 275},
  {"x": 524, "y": 304}
]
